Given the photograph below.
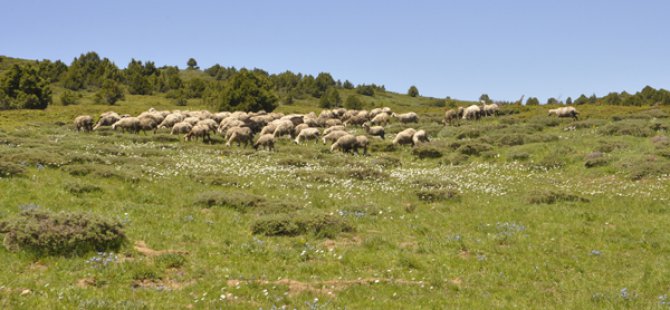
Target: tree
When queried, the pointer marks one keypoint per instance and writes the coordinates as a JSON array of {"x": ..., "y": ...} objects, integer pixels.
[
  {"x": 485, "y": 98},
  {"x": 136, "y": 77},
  {"x": 322, "y": 82},
  {"x": 192, "y": 64},
  {"x": 23, "y": 88},
  {"x": 353, "y": 102},
  {"x": 330, "y": 99},
  {"x": 347, "y": 85},
  {"x": 568, "y": 101},
  {"x": 552, "y": 100},
  {"x": 413, "y": 91},
  {"x": 89, "y": 71},
  {"x": 195, "y": 88},
  {"x": 109, "y": 93},
  {"x": 69, "y": 98},
  {"x": 532, "y": 101},
  {"x": 582, "y": 99},
  {"x": 246, "y": 91},
  {"x": 365, "y": 90}
]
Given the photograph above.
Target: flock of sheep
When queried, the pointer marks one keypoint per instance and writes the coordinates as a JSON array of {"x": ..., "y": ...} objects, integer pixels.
[{"x": 241, "y": 127}]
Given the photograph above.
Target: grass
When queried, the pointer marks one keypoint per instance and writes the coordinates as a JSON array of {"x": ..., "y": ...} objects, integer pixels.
[{"x": 497, "y": 213}]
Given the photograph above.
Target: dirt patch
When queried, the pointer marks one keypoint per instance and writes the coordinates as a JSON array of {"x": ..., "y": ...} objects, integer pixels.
[
  {"x": 161, "y": 284},
  {"x": 143, "y": 249},
  {"x": 331, "y": 244},
  {"x": 86, "y": 282},
  {"x": 328, "y": 287}
]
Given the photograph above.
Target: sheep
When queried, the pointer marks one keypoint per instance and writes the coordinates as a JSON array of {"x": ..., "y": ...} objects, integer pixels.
[
  {"x": 362, "y": 142},
  {"x": 380, "y": 119},
  {"x": 107, "y": 119},
  {"x": 374, "y": 130},
  {"x": 387, "y": 110},
  {"x": 283, "y": 129},
  {"x": 298, "y": 129},
  {"x": 308, "y": 133},
  {"x": 209, "y": 123},
  {"x": 453, "y": 115},
  {"x": 147, "y": 123},
  {"x": 374, "y": 112},
  {"x": 471, "y": 112},
  {"x": 356, "y": 120},
  {"x": 565, "y": 112},
  {"x": 267, "y": 140},
  {"x": 419, "y": 137},
  {"x": 84, "y": 122},
  {"x": 197, "y": 132},
  {"x": 131, "y": 124},
  {"x": 240, "y": 135},
  {"x": 405, "y": 137},
  {"x": 409, "y": 117},
  {"x": 170, "y": 120},
  {"x": 181, "y": 127},
  {"x": 192, "y": 120},
  {"x": 334, "y": 135},
  {"x": 345, "y": 143},
  {"x": 491, "y": 109},
  {"x": 332, "y": 122},
  {"x": 333, "y": 128},
  {"x": 294, "y": 118}
]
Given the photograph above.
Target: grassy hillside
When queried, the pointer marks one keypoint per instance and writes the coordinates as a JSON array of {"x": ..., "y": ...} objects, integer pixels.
[{"x": 516, "y": 211}]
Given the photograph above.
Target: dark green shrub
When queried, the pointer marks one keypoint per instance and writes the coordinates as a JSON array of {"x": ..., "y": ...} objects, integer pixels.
[
  {"x": 510, "y": 140},
  {"x": 518, "y": 156},
  {"x": 239, "y": 201},
  {"x": 546, "y": 121},
  {"x": 78, "y": 189},
  {"x": 386, "y": 161},
  {"x": 468, "y": 133},
  {"x": 366, "y": 173},
  {"x": 636, "y": 128},
  {"x": 551, "y": 197},
  {"x": 292, "y": 162},
  {"x": 641, "y": 168},
  {"x": 610, "y": 146},
  {"x": 8, "y": 169},
  {"x": 436, "y": 195},
  {"x": 49, "y": 233},
  {"x": 320, "y": 225},
  {"x": 474, "y": 149},
  {"x": 455, "y": 159},
  {"x": 595, "y": 159},
  {"x": 426, "y": 151}
]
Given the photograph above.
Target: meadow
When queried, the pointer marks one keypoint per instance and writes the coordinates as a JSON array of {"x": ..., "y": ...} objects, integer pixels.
[{"x": 519, "y": 210}]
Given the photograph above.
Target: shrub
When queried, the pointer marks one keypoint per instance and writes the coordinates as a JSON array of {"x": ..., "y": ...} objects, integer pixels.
[
  {"x": 455, "y": 159},
  {"x": 320, "y": 225},
  {"x": 595, "y": 159},
  {"x": 426, "y": 151},
  {"x": 10, "y": 169},
  {"x": 366, "y": 173},
  {"x": 546, "y": 121},
  {"x": 468, "y": 133},
  {"x": 386, "y": 161},
  {"x": 170, "y": 260},
  {"x": 610, "y": 146},
  {"x": 474, "y": 149},
  {"x": 69, "y": 98},
  {"x": 48, "y": 233},
  {"x": 551, "y": 197},
  {"x": 239, "y": 201},
  {"x": 646, "y": 167},
  {"x": 518, "y": 156},
  {"x": 510, "y": 140},
  {"x": 587, "y": 123},
  {"x": 435, "y": 195},
  {"x": 78, "y": 189},
  {"x": 634, "y": 128}
]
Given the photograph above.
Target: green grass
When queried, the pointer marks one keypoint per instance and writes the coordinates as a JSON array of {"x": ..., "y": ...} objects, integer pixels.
[{"x": 518, "y": 222}]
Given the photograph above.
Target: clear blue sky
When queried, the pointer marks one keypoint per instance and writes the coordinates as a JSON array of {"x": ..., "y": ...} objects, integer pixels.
[{"x": 446, "y": 48}]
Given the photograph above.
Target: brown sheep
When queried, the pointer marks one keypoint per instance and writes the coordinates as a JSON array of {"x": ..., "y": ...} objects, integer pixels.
[
  {"x": 240, "y": 135},
  {"x": 84, "y": 122},
  {"x": 334, "y": 135},
  {"x": 198, "y": 132},
  {"x": 131, "y": 124},
  {"x": 266, "y": 140},
  {"x": 374, "y": 130},
  {"x": 345, "y": 143}
]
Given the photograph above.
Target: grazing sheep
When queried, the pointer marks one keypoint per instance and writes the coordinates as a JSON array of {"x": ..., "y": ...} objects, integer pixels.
[
  {"x": 387, "y": 110},
  {"x": 296, "y": 119},
  {"x": 148, "y": 123},
  {"x": 333, "y": 128},
  {"x": 181, "y": 127},
  {"x": 107, "y": 119},
  {"x": 374, "y": 112},
  {"x": 198, "y": 132},
  {"x": 240, "y": 135},
  {"x": 84, "y": 122},
  {"x": 307, "y": 134},
  {"x": 405, "y": 137},
  {"x": 374, "y": 130},
  {"x": 283, "y": 129},
  {"x": 362, "y": 142},
  {"x": 170, "y": 121},
  {"x": 453, "y": 115},
  {"x": 298, "y": 129},
  {"x": 334, "y": 135},
  {"x": 332, "y": 122},
  {"x": 409, "y": 117},
  {"x": 229, "y": 123},
  {"x": 209, "y": 123},
  {"x": 345, "y": 143},
  {"x": 565, "y": 112},
  {"x": 266, "y": 140},
  {"x": 192, "y": 120},
  {"x": 419, "y": 137},
  {"x": 380, "y": 119},
  {"x": 491, "y": 109},
  {"x": 356, "y": 120},
  {"x": 471, "y": 112},
  {"x": 131, "y": 124}
]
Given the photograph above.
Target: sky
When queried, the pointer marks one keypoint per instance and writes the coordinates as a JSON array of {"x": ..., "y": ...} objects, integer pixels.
[{"x": 461, "y": 49}]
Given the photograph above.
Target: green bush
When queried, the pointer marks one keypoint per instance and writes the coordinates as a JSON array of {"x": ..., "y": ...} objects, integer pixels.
[
  {"x": 636, "y": 128},
  {"x": 551, "y": 197},
  {"x": 641, "y": 168},
  {"x": 49, "y": 233},
  {"x": 426, "y": 151},
  {"x": 69, "y": 98},
  {"x": 436, "y": 194},
  {"x": 595, "y": 159},
  {"x": 8, "y": 169},
  {"x": 474, "y": 149},
  {"x": 319, "y": 225},
  {"x": 78, "y": 189},
  {"x": 239, "y": 201}
]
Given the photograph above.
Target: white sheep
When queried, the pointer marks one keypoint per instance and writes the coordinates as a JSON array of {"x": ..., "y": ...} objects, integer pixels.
[
  {"x": 198, "y": 132},
  {"x": 405, "y": 137},
  {"x": 84, "y": 122},
  {"x": 307, "y": 134},
  {"x": 334, "y": 135},
  {"x": 409, "y": 117},
  {"x": 239, "y": 135},
  {"x": 374, "y": 130},
  {"x": 565, "y": 112},
  {"x": 266, "y": 140},
  {"x": 181, "y": 127},
  {"x": 472, "y": 112},
  {"x": 419, "y": 137},
  {"x": 131, "y": 124},
  {"x": 345, "y": 143}
]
